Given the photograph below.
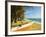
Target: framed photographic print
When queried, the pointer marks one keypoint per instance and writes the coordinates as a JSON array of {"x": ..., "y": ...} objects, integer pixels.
[{"x": 24, "y": 18}]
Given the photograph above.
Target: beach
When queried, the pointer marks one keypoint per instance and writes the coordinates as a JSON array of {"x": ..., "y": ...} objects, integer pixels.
[{"x": 28, "y": 27}]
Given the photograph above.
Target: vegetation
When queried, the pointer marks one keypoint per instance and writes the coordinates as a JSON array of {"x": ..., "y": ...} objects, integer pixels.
[{"x": 17, "y": 14}]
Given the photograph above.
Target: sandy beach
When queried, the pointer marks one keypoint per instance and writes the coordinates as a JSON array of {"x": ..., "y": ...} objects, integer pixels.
[{"x": 30, "y": 26}]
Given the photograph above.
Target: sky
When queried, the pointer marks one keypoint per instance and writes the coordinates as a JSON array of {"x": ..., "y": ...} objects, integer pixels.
[{"x": 32, "y": 12}]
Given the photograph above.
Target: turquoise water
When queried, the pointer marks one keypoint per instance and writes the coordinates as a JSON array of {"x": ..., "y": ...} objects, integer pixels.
[{"x": 33, "y": 19}]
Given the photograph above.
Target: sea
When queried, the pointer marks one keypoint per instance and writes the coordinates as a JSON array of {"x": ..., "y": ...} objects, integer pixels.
[{"x": 33, "y": 19}]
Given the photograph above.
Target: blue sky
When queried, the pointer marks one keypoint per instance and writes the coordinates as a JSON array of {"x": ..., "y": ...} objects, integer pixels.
[{"x": 32, "y": 12}]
